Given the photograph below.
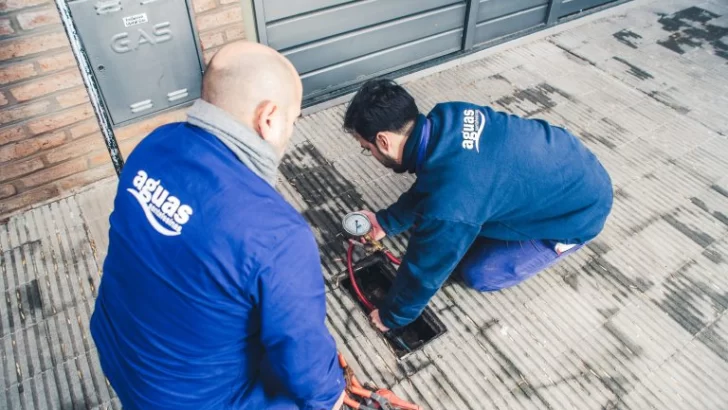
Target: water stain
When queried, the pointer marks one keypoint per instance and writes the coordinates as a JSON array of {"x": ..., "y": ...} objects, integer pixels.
[
  {"x": 608, "y": 313},
  {"x": 510, "y": 370},
  {"x": 537, "y": 99},
  {"x": 699, "y": 237},
  {"x": 668, "y": 101},
  {"x": 626, "y": 37},
  {"x": 620, "y": 193},
  {"x": 572, "y": 279},
  {"x": 719, "y": 190},
  {"x": 716, "y": 214},
  {"x": 714, "y": 256},
  {"x": 634, "y": 70},
  {"x": 690, "y": 29},
  {"x": 598, "y": 247},
  {"x": 599, "y": 139},
  {"x": 32, "y": 291},
  {"x": 700, "y": 204},
  {"x": 715, "y": 342},
  {"x": 627, "y": 346},
  {"x": 682, "y": 292},
  {"x": 624, "y": 285}
]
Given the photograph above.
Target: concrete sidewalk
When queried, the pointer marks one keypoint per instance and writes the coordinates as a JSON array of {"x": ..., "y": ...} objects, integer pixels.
[{"x": 636, "y": 320}]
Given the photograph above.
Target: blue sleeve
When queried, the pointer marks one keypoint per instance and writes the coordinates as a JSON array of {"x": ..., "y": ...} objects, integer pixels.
[
  {"x": 434, "y": 251},
  {"x": 400, "y": 216},
  {"x": 299, "y": 347}
]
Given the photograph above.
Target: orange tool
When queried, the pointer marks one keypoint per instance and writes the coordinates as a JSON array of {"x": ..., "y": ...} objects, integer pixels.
[{"x": 381, "y": 399}]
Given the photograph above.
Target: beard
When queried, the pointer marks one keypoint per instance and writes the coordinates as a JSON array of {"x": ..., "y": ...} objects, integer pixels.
[{"x": 390, "y": 163}]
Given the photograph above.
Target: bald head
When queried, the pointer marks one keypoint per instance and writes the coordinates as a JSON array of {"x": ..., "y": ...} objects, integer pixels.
[
  {"x": 242, "y": 75},
  {"x": 256, "y": 85}
]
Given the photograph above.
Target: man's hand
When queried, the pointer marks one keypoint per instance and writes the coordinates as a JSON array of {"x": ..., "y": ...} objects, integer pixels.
[
  {"x": 377, "y": 321},
  {"x": 377, "y": 232}
]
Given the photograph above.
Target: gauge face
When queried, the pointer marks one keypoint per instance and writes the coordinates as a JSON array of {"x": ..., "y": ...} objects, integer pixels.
[{"x": 357, "y": 224}]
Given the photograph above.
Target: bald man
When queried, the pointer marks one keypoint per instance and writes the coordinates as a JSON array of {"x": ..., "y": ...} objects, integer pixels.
[{"x": 212, "y": 295}]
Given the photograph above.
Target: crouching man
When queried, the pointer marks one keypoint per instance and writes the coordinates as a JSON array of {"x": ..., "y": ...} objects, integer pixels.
[
  {"x": 212, "y": 295},
  {"x": 497, "y": 197}
]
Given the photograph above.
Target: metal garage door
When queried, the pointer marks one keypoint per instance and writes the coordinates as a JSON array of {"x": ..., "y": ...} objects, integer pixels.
[
  {"x": 334, "y": 43},
  {"x": 338, "y": 43}
]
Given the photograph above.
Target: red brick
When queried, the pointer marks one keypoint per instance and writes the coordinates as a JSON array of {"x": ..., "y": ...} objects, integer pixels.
[
  {"x": 11, "y": 134},
  {"x": 47, "y": 85},
  {"x": 39, "y": 18},
  {"x": 3, "y": 99},
  {"x": 61, "y": 119},
  {"x": 29, "y": 146},
  {"x": 5, "y": 27},
  {"x": 54, "y": 173},
  {"x": 57, "y": 62},
  {"x": 6, "y": 191},
  {"x": 210, "y": 40},
  {"x": 100, "y": 158},
  {"x": 75, "y": 149},
  {"x": 204, "y": 5},
  {"x": 85, "y": 128},
  {"x": 20, "y": 113},
  {"x": 17, "y": 169},
  {"x": 32, "y": 45},
  {"x": 233, "y": 14},
  {"x": 73, "y": 97},
  {"x": 10, "y": 5},
  {"x": 24, "y": 200},
  {"x": 86, "y": 177},
  {"x": 235, "y": 33},
  {"x": 16, "y": 72}
]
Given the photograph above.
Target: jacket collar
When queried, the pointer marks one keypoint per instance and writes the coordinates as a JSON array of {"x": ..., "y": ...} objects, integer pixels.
[
  {"x": 247, "y": 146},
  {"x": 412, "y": 146}
]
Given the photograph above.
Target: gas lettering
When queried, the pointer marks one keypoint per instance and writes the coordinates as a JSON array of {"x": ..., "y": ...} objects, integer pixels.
[{"x": 129, "y": 41}]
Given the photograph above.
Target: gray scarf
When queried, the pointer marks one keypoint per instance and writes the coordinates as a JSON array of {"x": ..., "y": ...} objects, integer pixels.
[{"x": 247, "y": 146}]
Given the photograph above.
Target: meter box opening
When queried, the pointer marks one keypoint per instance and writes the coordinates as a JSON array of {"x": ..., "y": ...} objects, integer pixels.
[{"x": 144, "y": 54}]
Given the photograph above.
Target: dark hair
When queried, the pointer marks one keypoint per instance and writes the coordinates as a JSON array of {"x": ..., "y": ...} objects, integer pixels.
[{"x": 380, "y": 105}]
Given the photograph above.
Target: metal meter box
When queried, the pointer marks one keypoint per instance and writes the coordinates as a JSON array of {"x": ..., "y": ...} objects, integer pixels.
[{"x": 144, "y": 53}]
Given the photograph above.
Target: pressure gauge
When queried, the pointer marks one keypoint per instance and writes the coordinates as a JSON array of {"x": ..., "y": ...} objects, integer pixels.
[{"x": 356, "y": 224}]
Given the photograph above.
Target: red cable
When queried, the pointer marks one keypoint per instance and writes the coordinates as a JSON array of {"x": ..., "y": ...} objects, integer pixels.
[{"x": 354, "y": 285}]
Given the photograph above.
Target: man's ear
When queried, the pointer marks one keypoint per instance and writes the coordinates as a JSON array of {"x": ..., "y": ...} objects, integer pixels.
[
  {"x": 382, "y": 141},
  {"x": 263, "y": 120}
]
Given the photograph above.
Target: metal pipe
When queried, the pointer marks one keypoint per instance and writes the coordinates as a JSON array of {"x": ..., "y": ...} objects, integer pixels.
[{"x": 102, "y": 115}]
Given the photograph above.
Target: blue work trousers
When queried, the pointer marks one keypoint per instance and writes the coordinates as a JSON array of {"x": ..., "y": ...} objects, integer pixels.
[{"x": 491, "y": 265}]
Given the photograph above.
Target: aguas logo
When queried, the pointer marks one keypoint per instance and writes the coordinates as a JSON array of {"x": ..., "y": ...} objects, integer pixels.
[
  {"x": 165, "y": 212},
  {"x": 473, "y": 124}
]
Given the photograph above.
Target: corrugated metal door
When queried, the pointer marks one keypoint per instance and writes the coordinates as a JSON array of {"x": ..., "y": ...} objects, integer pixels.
[
  {"x": 338, "y": 43},
  {"x": 334, "y": 43},
  {"x": 499, "y": 18}
]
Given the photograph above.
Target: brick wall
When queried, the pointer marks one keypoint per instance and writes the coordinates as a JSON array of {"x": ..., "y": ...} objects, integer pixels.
[{"x": 50, "y": 144}]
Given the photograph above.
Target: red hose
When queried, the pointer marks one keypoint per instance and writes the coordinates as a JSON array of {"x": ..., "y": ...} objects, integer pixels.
[
  {"x": 354, "y": 285},
  {"x": 392, "y": 258}
]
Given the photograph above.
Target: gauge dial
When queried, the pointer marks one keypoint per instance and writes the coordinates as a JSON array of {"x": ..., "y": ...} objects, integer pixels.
[{"x": 356, "y": 224}]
